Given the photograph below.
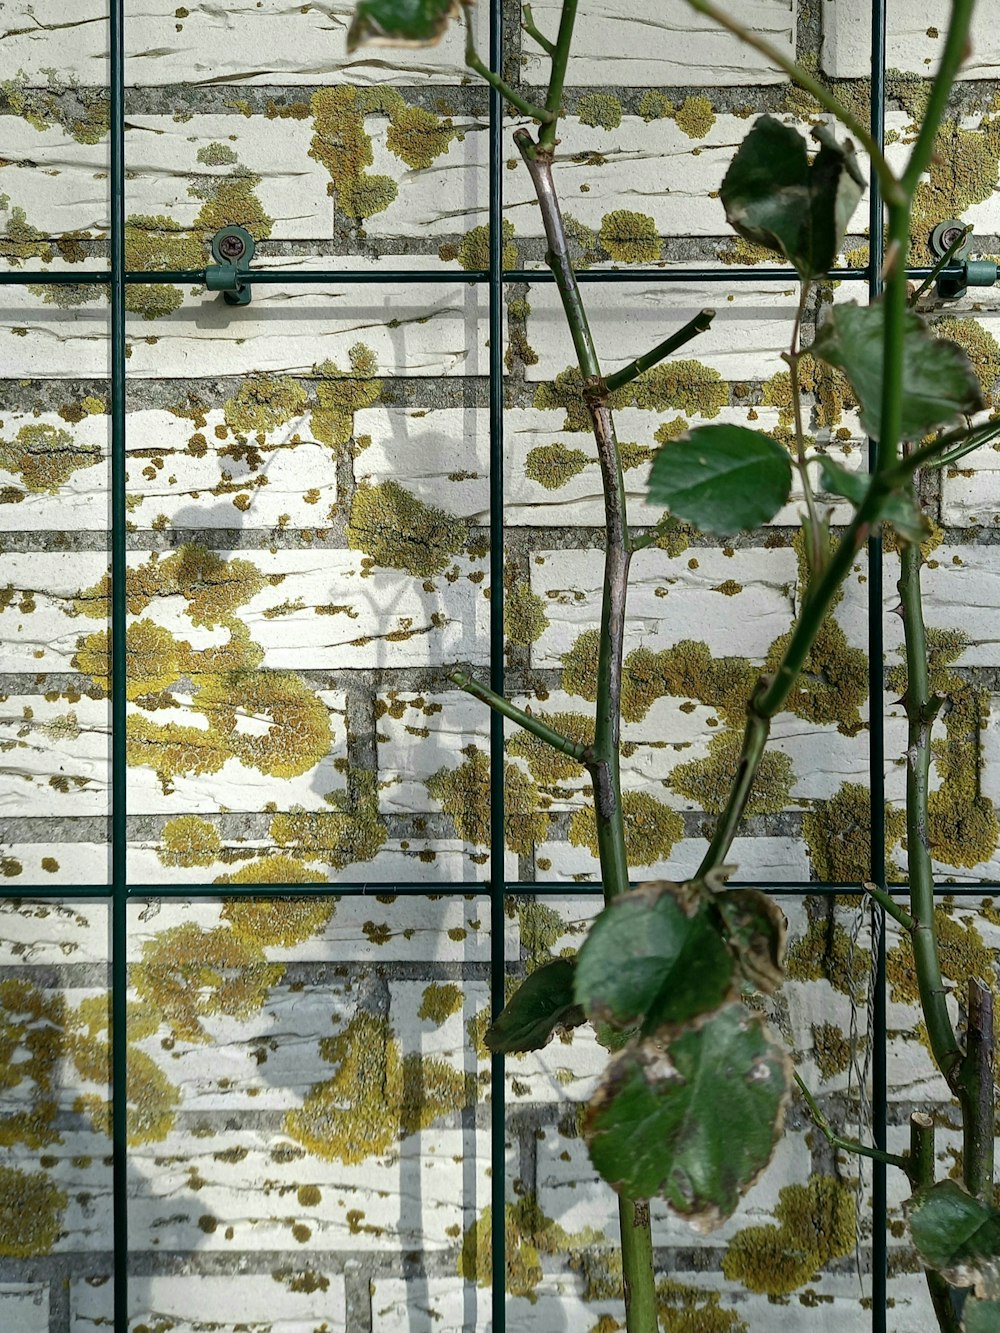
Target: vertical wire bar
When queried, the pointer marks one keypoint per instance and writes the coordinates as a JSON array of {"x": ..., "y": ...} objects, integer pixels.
[
  {"x": 876, "y": 730},
  {"x": 119, "y": 888},
  {"x": 498, "y": 1118}
]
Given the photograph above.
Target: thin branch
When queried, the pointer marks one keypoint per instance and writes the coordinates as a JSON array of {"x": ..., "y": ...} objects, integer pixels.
[
  {"x": 815, "y": 552},
  {"x": 835, "y": 1140},
  {"x": 890, "y": 185},
  {"x": 557, "y": 79},
  {"x": 475, "y": 62},
  {"x": 528, "y": 24},
  {"x": 583, "y": 754},
  {"x": 889, "y": 905},
  {"x": 676, "y": 340},
  {"x": 936, "y": 455},
  {"x": 956, "y": 47}
]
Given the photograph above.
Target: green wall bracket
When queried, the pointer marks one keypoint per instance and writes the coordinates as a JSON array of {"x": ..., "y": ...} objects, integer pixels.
[
  {"x": 232, "y": 250},
  {"x": 953, "y": 240}
]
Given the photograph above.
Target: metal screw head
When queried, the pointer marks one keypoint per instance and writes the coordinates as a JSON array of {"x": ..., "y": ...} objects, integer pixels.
[
  {"x": 944, "y": 236},
  {"x": 232, "y": 247}
]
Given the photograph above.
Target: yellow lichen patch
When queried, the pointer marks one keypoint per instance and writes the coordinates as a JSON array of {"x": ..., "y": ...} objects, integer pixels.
[
  {"x": 817, "y": 1222},
  {"x": 418, "y": 137},
  {"x": 545, "y": 763},
  {"x": 685, "y": 386},
  {"x": 825, "y": 953},
  {"x": 630, "y": 238},
  {"x": 524, "y": 618},
  {"x": 738, "y": 250},
  {"x": 651, "y": 829},
  {"x": 171, "y": 749},
  {"x": 153, "y": 658},
  {"x": 553, "y": 465},
  {"x": 979, "y": 345},
  {"x": 376, "y": 1096},
  {"x": 541, "y": 927},
  {"x": 82, "y": 112},
  {"x": 32, "y": 1042},
  {"x": 190, "y": 974},
  {"x": 464, "y": 794},
  {"x": 212, "y": 586},
  {"x": 264, "y": 402},
  {"x": 695, "y": 116},
  {"x": 474, "y": 251},
  {"x": 709, "y": 781},
  {"x": 342, "y": 145},
  {"x": 189, "y": 841},
  {"x": 152, "y": 1099},
  {"x": 353, "y": 831},
  {"x": 31, "y": 1210},
  {"x": 684, "y": 1309},
  {"x": 227, "y": 201},
  {"x": 686, "y": 671},
  {"x": 838, "y": 835},
  {"x": 655, "y": 106},
  {"x": 340, "y": 395},
  {"x": 273, "y": 869},
  {"x": 833, "y": 686},
  {"x": 528, "y": 1234},
  {"x": 268, "y": 922},
  {"x": 831, "y": 1050},
  {"x": 398, "y": 531},
  {"x": 298, "y": 731},
  {"x": 158, "y": 242},
  {"x": 963, "y": 953},
  {"x": 20, "y": 240},
  {"x": 439, "y": 1001},
  {"x": 962, "y": 172},
  {"x": 600, "y": 110},
  {"x": 45, "y": 457}
]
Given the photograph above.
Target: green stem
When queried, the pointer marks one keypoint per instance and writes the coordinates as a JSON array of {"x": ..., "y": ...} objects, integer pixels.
[
  {"x": 557, "y": 79},
  {"x": 816, "y": 549},
  {"x": 921, "y": 708},
  {"x": 582, "y": 753},
  {"x": 684, "y": 335},
  {"x": 530, "y": 27},
  {"x": 920, "y": 1169},
  {"x": 475, "y": 62},
  {"x": 889, "y": 905},
  {"x": 836, "y": 1140},
  {"x": 890, "y": 185},
  {"x": 637, "y": 1259}
]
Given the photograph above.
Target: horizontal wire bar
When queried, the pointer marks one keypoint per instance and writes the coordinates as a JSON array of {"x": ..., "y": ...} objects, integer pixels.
[
  {"x": 477, "y": 888},
  {"x": 373, "y": 277}
]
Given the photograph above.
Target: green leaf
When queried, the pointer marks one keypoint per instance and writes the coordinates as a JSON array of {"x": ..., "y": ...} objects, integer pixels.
[
  {"x": 898, "y": 508},
  {"x": 939, "y": 383},
  {"x": 958, "y": 1237},
  {"x": 775, "y": 197},
  {"x": 400, "y": 22},
  {"x": 721, "y": 478},
  {"x": 981, "y": 1316},
  {"x": 541, "y": 1004},
  {"x": 694, "y": 1119},
  {"x": 756, "y": 928},
  {"x": 655, "y": 955}
]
